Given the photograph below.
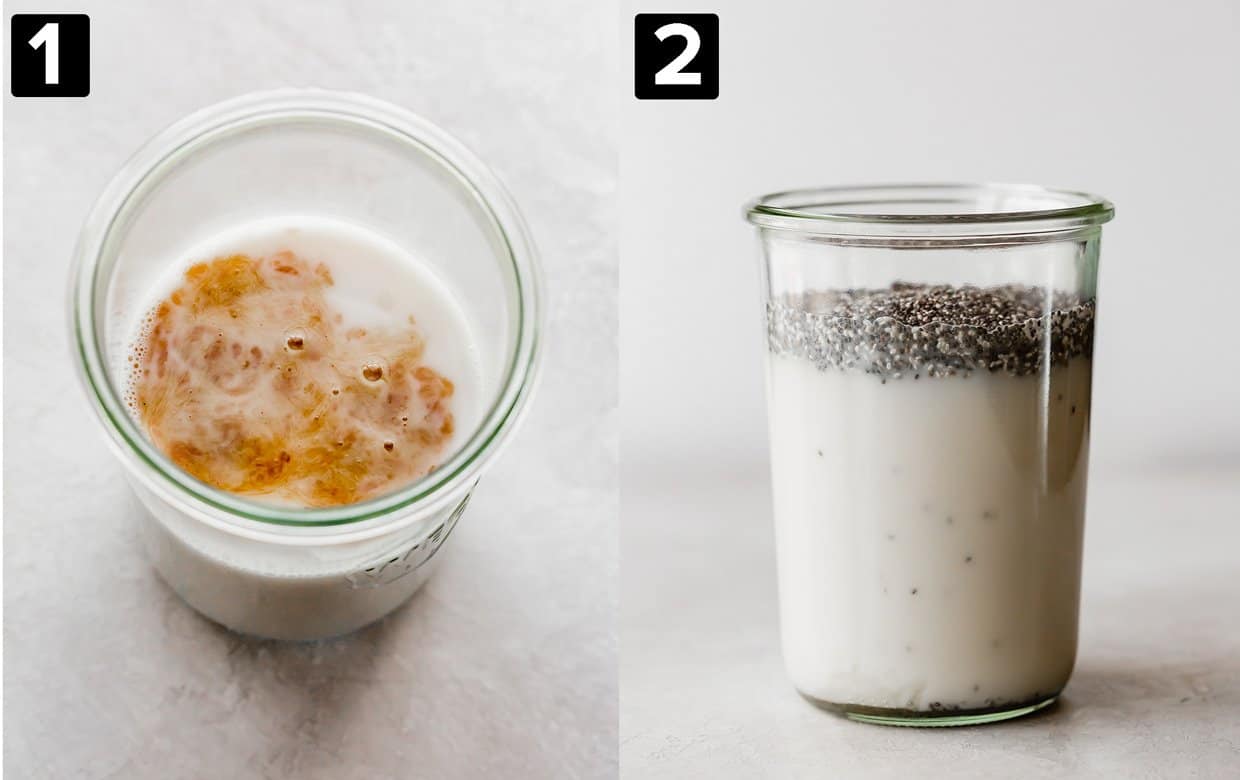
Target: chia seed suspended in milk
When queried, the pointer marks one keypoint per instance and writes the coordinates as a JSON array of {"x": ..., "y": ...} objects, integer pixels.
[{"x": 916, "y": 331}]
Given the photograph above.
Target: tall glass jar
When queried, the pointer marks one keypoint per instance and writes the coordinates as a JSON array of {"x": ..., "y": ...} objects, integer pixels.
[
  {"x": 928, "y": 371},
  {"x": 296, "y": 573}
]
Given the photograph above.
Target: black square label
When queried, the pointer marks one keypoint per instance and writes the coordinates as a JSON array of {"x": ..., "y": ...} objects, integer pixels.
[
  {"x": 676, "y": 56},
  {"x": 50, "y": 55}
]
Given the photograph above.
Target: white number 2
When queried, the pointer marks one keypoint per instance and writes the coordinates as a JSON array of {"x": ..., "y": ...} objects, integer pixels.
[
  {"x": 48, "y": 37},
  {"x": 672, "y": 73}
]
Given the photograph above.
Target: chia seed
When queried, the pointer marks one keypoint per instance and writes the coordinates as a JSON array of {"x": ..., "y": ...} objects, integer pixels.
[{"x": 935, "y": 331}]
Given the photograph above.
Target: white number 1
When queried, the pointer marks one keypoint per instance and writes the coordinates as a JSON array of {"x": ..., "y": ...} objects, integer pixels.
[
  {"x": 672, "y": 73},
  {"x": 48, "y": 37}
]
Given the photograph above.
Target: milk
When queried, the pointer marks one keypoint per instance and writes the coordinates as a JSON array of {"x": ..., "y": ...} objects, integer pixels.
[
  {"x": 928, "y": 533},
  {"x": 376, "y": 282},
  {"x": 301, "y": 588}
]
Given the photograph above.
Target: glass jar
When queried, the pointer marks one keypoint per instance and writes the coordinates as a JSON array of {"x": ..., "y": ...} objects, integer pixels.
[
  {"x": 928, "y": 375},
  {"x": 300, "y": 573}
]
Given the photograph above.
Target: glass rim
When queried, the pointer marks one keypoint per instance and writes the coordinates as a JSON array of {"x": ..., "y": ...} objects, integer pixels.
[
  {"x": 836, "y": 211},
  {"x": 164, "y": 151}
]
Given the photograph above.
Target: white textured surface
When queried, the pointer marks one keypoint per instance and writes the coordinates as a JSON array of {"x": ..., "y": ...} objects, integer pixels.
[
  {"x": 1156, "y": 692},
  {"x": 504, "y": 665}
]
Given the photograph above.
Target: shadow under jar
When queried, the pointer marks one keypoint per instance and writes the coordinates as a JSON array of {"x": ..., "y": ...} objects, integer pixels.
[
  {"x": 293, "y": 572},
  {"x": 929, "y": 365}
]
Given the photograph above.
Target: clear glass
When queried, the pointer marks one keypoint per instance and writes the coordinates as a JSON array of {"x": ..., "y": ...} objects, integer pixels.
[
  {"x": 286, "y": 572},
  {"x": 929, "y": 366}
]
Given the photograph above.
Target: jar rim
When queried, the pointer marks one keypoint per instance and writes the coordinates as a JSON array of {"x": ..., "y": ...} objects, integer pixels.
[
  {"x": 931, "y": 211},
  {"x": 263, "y": 109}
]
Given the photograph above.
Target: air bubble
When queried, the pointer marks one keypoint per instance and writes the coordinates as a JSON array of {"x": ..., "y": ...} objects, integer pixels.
[
  {"x": 372, "y": 370},
  {"x": 295, "y": 340}
]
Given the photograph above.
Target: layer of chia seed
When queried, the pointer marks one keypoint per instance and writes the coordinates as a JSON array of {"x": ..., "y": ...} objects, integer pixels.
[
  {"x": 920, "y": 331},
  {"x": 934, "y": 710}
]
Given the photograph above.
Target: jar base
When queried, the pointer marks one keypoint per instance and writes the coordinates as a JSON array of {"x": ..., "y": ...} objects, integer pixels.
[{"x": 885, "y": 716}]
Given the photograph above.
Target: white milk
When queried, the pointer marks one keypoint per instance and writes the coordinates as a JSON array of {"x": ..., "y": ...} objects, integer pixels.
[
  {"x": 928, "y": 533},
  {"x": 299, "y": 590},
  {"x": 376, "y": 283},
  {"x": 289, "y": 592}
]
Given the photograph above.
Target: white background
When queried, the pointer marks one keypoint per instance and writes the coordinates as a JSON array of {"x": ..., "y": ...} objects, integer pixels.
[
  {"x": 504, "y": 664},
  {"x": 1137, "y": 101}
]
